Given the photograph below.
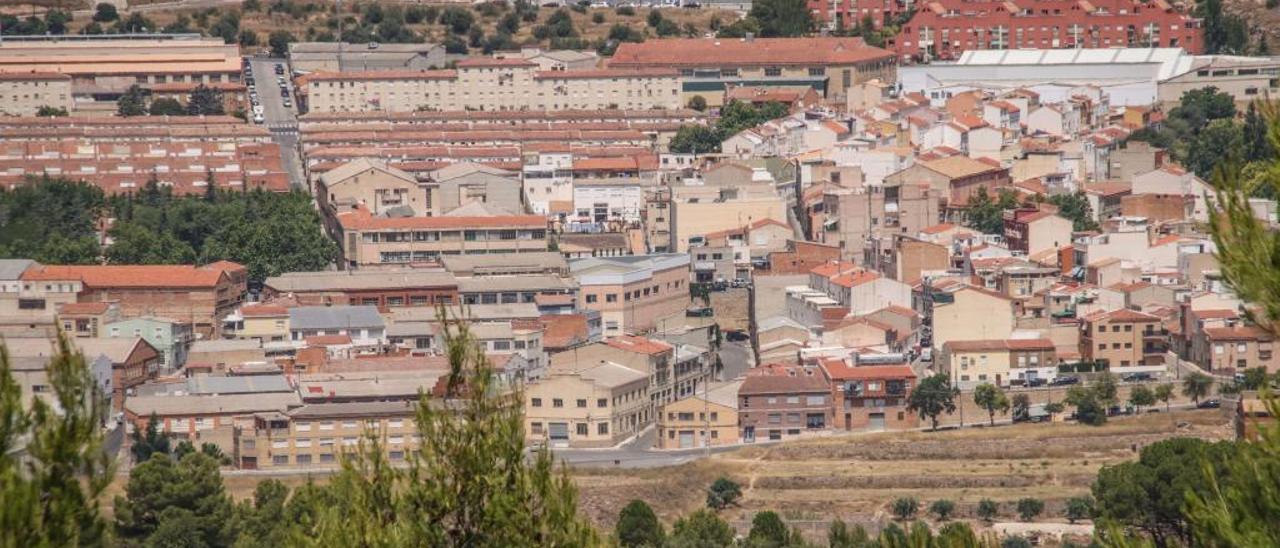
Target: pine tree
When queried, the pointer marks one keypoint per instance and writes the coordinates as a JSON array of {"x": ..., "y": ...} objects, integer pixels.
[{"x": 133, "y": 102}]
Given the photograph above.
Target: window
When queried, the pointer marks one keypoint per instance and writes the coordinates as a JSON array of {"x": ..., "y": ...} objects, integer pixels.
[
  {"x": 326, "y": 458},
  {"x": 775, "y": 418},
  {"x": 30, "y": 304},
  {"x": 772, "y": 71},
  {"x": 535, "y": 427},
  {"x": 611, "y": 298},
  {"x": 582, "y": 429},
  {"x": 557, "y": 402},
  {"x": 396, "y": 455},
  {"x": 592, "y": 298},
  {"x": 602, "y": 429},
  {"x": 280, "y": 459},
  {"x": 304, "y": 459},
  {"x": 536, "y": 402},
  {"x": 582, "y": 402},
  {"x": 817, "y": 71},
  {"x": 602, "y": 402}
]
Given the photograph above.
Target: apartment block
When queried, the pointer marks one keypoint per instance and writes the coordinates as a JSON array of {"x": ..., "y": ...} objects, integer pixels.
[
  {"x": 1000, "y": 362},
  {"x": 367, "y": 241},
  {"x": 1232, "y": 349},
  {"x": 24, "y": 93},
  {"x": 782, "y": 406},
  {"x": 633, "y": 293},
  {"x": 384, "y": 289},
  {"x": 870, "y": 397},
  {"x": 598, "y": 406},
  {"x": 492, "y": 84},
  {"x": 706, "y": 419},
  {"x": 1123, "y": 338},
  {"x": 316, "y": 434},
  {"x": 675, "y": 372}
]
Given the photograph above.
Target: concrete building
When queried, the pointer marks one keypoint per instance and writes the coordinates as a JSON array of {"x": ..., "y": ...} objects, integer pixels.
[
  {"x": 1002, "y": 362},
  {"x": 307, "y": 57},
  {"x": 706, "y": 419},
  {"x": 315, "y": 435},
  {"x": 870, "y": 397},
  {"x": 372, "y": 184},
  {"x": 362, "y": 323},
  {"x": 598, "y": 406},
  {"x": 25, "y": 93},
  {"x": 675, "y": 371},
  {"x": 695, "y": 216},
  {"x": 457, "y": 185},
  {"x": 260, "y": 322},
  {"x": 1123, "y": 338},
  {"x": 369, "y": 241},
  {"x": 775, "y": 407},
  {"x": 1232, "y": 349},
  {"x": 1244, "y": 78},
  {"x": 709, "y": 66},
  {"x": 492, "y": 84},
  {"x": 133, "y": 362},
  {"x": 384, "y": 289},
  {"x": 853, "y": 216},
  {"x": 618, "y": 200},
  {"x": 955, "y": 179},
  {"x": 971, "y": 314},
  {"x": 633, "y": 293},
  {"x": 171, "y": 338},
  {"x": 1034, "y": 231},
  {"x": 103, "y": 67}
]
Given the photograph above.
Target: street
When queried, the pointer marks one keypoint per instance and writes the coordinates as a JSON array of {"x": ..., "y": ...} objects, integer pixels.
[{"x": 282, "y": 121}]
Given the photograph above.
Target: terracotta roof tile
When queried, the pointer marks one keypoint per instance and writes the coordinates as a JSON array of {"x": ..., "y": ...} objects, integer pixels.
[
  {"x": 632, "y": 343},
  {"x": 158, "y": 276},
  {"x": 702, "y": 52}
]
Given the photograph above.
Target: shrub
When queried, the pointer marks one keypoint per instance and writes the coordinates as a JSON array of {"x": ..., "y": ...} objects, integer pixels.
[
  {"x": 1029, "y": 508},
  {"x": 905, "y": 508},
  {"x": 942, "y": 509},
  {"x": 988, "y": 509}
]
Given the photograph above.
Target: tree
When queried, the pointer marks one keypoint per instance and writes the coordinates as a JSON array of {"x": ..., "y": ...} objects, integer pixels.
[
  {"x": 166, "y": 106},
  {"x": 654, "y": 18},
  {"x": 150, "y": 441},
  {"x": 53, "y": 467},
  {"x": 56, "y": 21},
  {"x": 1257, "y": 147},
  {"x": 133, "y": 102},
  {"x": 904, "y": 508},
  {"x": 698, "y": 103},
  {"x": 988, "y": 509},
  {"x": 1053, "y": 408},
  {"x": 782, "y": 18},
  {"x": 134, "y": 244},
  {"x": 49, "y": 112},
  {"x": 992, "y": 398},
  {"x": 1089, "y": 409},
  {"x": 458, "y": 20},
  {"x": 987, "y": 215},
  {"x": 1196, "y": 386},
  {"x": 638, "y": 527},
  {"x": 1107, "y": 388},
  {"x": 205, "y": 101},
  {"x": 932, "y": 397},
  {"x": 106, "y": 13},
  {"x": 1164, "y": 393},
  {"x": 1076, "y": 208},
  {"x": 1238, "y": 506},
  {"x": 1255, "y": 378},
  {"x": 942, "y": 509},
  {"x": 183, "y": 502},
  {"x": 1141, "y": 396},
  {"x": 279, "y": 41},
  {"x": 1079, "y": 508},
  {"x": 701, "y": 529},
  {"x": 1029, "y": 508},
  {"x": 768, "y": 531},
  {"x": 695, "y": 139},
  {"x": 839, "y": 535},
  {"x": 1021, "y": 405},
  {"x": 723, "y": 493},
  {"x": 1213, "y": 143},
  {"x": 1015, "y": 541}
]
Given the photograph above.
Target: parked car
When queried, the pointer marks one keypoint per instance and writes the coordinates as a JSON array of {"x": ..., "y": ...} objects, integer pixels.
[
  {"x": 1209, "y": 404},
  {"x": 1137, "y": 377},
  {"x": 699, "y": 312},
  {"x": 1036, "y": 382},
  {"x": 1065, "y": 380},
  {"x": 736, "y": 336},
  {"x": 288, "y": 103}
]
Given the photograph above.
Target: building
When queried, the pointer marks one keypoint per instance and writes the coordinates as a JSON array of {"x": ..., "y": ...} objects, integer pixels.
[
  {"x": 171, "y": 338},
  {"x": 851, "y": 216},
  {"x": 1123, "y": 338},
  {"x": 709, "y": 66},
  {"x": 1236, "y": 348},
  {"x": 200, "y": 295},
  {"x": 675, "y": 371},
  {"x": 102, "y": 68},
  {"x": 775, "y": 407},
  {"x": 25, "y": 93},
  {"x": 970, "y": 314},
  {"x": 685, "y": 424},
  {"x": 457, "y": 185},
  {"x": 260, "y": 322},
  {"x": 87, "y": 319},
  {"x": 598, "y": 406},
  {"x": 384, "y": 289},
  {"x": 362, "y": 323},
  {"x": 633, "y": 293},
  {"x": 1003, "y": 362},
  {"x": 1034, "y": 231},
  {"x": 133, "y": 362},
  {"x": 369, "y": 241},
  {"x": 316, "y": 434},
  {"x": 308, "y": 57},
  {"x": 870, "y": 397},
  {"x": 492, "y": 84},
  {"x": 1244, "y": 78},
  {"x": 372, "y": 184},
  {"x": 956, "y": 179}
]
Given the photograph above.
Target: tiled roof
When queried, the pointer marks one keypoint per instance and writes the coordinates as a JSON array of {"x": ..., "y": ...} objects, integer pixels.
[
  {"x": 33, "y": 75},
  {"x": 854, "y": 279},
  {"x": 1216, "y": 314},
  {"x": 263, "y": 310},
  {"x": 1237, "y": 333},
  {"x": 1125, "y": 315},
  {"x": 832, "y": 268},
  {"x": 838, "y": 370},
  {"x": 138, "y": 276},
  {"x": 379, "y": 75},
  {"x": 999, "y": 345},
  {"x": 782, "y": 384},
  {"x": 328, "y": 340},
  {"x": 491, "y": 62},
  {"x": 563, "y": 330},
  {"x": 938, "y": 228},
  {"x": 703, "y": 52},
  {"x": 656, "y": 72},
  {"x": 957, "y": 167},
  {"x": 642, "y": 345},
  {"x": 361, "y": 219}
]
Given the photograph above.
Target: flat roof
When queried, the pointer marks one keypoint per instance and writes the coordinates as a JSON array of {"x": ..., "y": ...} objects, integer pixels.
[{"x": 357, "y": 280}]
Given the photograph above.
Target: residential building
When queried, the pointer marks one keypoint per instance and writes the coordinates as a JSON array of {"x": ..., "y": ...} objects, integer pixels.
[
  {"x": 200, "y": 295},
  {"x": 852, "y": 216},
  {"x": 308, "y": 57},
  {"x": 483, "y": 84},
  {"x": 369, "y": 241},
  {"x": 696, "y": 212},
  {"x": 171, "y": 338},
  {"x": 260, "y": 322},
  {"x": 25, "y": 93},
  {"x": 456, "y": 185},
  {"x": 970, "y": 314},
  {"x": 709, "y": 66},
  {"x": 613, "y": 201},
  {"x": 944, "y": 29},
  {"x": 316, "y": 434},
  {"x": 598, "y": 406},
  {"x": 384, "y": 289},
  {"x": 133, "y": 361},
  {"x": 1002, "y": 362},
  {"x": 506, "y": 264},
  {"x": 372, "y": 184},
  {"x": 675, "y": 371},
  {"x": 706, "y": 419},
  {"x": 956, "y": 178},
  {"x": 1232, "y": 349},
  {"x": 362, "y": 323},
  {"x": 633, "y": 293},
  {"x": 870, "y": 396},
  {"x": 87, "y": 319},
  {"x": 1123, "y": 338},
  {"x": 782, "y": 406},
  {"x": 1034, "y": 231}
]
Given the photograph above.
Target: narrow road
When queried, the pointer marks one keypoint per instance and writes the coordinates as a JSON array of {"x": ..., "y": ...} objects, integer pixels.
[{"x": 282, "y": 121}]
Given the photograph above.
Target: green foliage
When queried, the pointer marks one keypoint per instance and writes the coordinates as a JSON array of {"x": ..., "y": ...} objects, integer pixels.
[
  {"x": 149, "y": 441},
  {"x": 51, "y": 221},
  {"x": 1029, "y": 508},
  {"x": 1015, "y": 541},
  {"x": 53, "y": 468},
  {"x": 1021, "y": 405},
  {"x": 723, "y": 493},
  {"x": 175, "y": 503},
  {"x": 558, "y": 25},
  {"x": 1255, "y": 378},
  {"x": 1090, "y": 408},
  {"x": 47, "y": 111},
  {"x": 942, "y": 509},
  {"x": 1196, "y": 385},
  {"x": 1053, "y": 408},
  {"x": 1213, "y": 143},
  {"x": 992, "y": 398},
  {"x": 1076, "y": 208},
  {"x": 458, "y": 20},
  {"x": 1079, "y": 508},
  {"x": 205, "y": 100},
  {"x": 988, "y": 509},
  {"x": 1181, "y": 131},
  {"x": 625, "y": 11},
  {"x": 932, "y": 397},
  {"x": 740, "y": 28},
  {"x": 782, "y": 18},
  {"x": 655, "y": 18},
  {"x": 133, "y": 102},
  {"x": 1164, "y": 393},
  {"x": 701, "y": 529},
  {"x": 1149, "y": 494},
  {"x": 694, "y": 138},
  {"x": 739, "y": 115},
  {"x": 987, "y": 215},
  {"x": 698, "y": 103},
  {"x": 839, "y": 535},
  {"x": 1224, "y": 32},
  {"x": 904, "y": 508},
  {"x": 1140, "y": 396},
  {"x": 106, "y": 13},
  {"x": 166, "y": 106},
  {"x": 638, "y": 527},
  {"x": 279, "y": 41},
  {"x": 1239, "y": 504},
  {"x": 767, "y": 531}
]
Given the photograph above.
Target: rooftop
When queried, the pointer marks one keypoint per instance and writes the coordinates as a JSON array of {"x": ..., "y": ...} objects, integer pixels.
[
  {"x": 328, "y": 317},
  {"x": 717, "y": 52},
  {"x": 360, "y": 280},
  {"x": 782, "y": 384},
  {"x": 134, "y": 276}
]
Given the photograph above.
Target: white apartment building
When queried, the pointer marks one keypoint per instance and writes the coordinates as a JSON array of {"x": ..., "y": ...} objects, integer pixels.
[
  {"x": 547, "y": 177},
  {"x": 492, "y": 84}
]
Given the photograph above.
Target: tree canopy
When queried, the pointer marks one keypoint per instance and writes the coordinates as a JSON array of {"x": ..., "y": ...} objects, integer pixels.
[
  {"x": 781, "y": 18},
  {"x": 932, "y": 397}
]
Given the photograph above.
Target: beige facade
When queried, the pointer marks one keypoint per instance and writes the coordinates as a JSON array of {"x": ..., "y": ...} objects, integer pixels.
[
  {"x": 703, "y": 420},
  {"x": 1237, "y": 348},
  {"x": 261, "y": 322},
  {"x": 316, "y": 435},
  {"x": 595, "y": 407},
  {"x": 23, "y": 94},
  {"x": 493, "y": 84},
  {"x": 674, "y": 373},
  {"x": 697, "y": 218},
  {"x": 1123, "y": 338},
  {"x": 998, "y": 362},
  {"x": 633, "y": 293},
  {"x": 368, "y": 241},
  {"x": 972, "y": 314},
  {"x": 371, "y": 183}
]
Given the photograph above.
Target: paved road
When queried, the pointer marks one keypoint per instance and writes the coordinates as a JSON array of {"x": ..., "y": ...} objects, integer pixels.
[{"x": 282, "y": 121}]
